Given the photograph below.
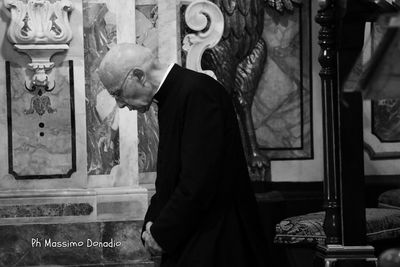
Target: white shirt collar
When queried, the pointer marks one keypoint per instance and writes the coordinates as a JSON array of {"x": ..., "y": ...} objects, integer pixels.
[{"x": 165, "y": 76}]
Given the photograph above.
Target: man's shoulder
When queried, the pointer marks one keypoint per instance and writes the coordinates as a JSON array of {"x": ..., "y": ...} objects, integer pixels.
[{"x": 199, "y": 83}]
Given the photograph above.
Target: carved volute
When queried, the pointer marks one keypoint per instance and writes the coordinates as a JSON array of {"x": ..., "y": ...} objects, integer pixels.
[{"x": 206, "y": 19}]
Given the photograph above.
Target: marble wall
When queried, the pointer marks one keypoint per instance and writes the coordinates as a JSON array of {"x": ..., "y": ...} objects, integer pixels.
[
  {"x": 156, "y": 28},
  {"x": 100, "y": 33},
  {"x": 386, "y": 120},
  {"x": 111, "y": 132},
  {"x": 282, "y": 104},
  {"x": 147, "y": 33},
  {"x": 39, "y": 245},
  {"x": 51, "y": 146},
  {"x": 109, "y": 153},
  {"x": 385, "y": 113},
  {"x": 84, "y": 150},
  {"x": 41, "y": 125},
  {"x": 381, "y": 118},
  {"x": 81, "y": 146}
]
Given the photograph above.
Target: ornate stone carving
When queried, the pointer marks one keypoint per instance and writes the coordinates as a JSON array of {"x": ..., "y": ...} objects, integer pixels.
[
  {"x": 41, "y": 65},
  {"x": 39, "y": 102},
  {"x": 39, "y": 28},
  {"x": 206, "y": 19},
  {"x": 39, "y": 21}
]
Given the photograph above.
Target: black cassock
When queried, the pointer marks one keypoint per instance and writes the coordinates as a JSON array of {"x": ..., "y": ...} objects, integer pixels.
[{"x": 204, "y": 212}]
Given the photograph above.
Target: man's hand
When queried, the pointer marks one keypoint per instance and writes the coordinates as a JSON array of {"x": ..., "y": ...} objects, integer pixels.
[{"x": 151, "y": 244}]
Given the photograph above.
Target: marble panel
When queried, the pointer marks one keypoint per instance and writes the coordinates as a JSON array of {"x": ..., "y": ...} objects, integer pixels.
[
  {"x": 47, "y": 206},
  {"x": 72, "y": 205},
  {"x": 101, "y": 112},
  {"x": 386, "y": 120},
  {"x": 64, "y": 209},
  {"x": 147, "y": 26},
  {"x": 382, "y": 117},
  {"x": 126, "y": 173},
  {"x": 128, "y": 233},
  {"x": 157, "y": 27},
  {"x": 168, "y": 32},
  {"x": 146, "y": 16},
  {"x": 282, "y": 104},
  {"x": 127, "y": 204},
  {"x": 41, "y": 126},
  {"x": 77, "y": 179},
  {"x": 148, "y": 140},
  {"x": 385, "y": 113},
  {"x": 42, "y": 244}
]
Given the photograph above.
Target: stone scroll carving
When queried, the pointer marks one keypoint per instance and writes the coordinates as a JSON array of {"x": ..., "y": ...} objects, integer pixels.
[{"x": 206, "y": 19}]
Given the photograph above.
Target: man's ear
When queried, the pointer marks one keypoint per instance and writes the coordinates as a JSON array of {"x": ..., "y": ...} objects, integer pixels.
[{"x": 139, "y": 74}]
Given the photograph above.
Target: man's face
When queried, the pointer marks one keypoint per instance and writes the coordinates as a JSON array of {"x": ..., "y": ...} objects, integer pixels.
[{"x": 134, "y": 93}]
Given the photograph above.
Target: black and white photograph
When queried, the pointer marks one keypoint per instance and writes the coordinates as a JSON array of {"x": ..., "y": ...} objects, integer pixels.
[{"x": 200, "y": 133}]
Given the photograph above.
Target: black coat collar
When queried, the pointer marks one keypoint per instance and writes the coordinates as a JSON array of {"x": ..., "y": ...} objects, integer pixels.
[{"x": 169, "y": 84}]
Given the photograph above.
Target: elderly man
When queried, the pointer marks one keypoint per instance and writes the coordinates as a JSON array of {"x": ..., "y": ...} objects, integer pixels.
[{"x": 203, "y": 212}]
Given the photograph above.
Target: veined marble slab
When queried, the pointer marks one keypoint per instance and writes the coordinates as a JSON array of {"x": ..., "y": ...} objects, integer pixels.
[
  {"x": 386, "y": 120},
  {"x": 41, "y": 145},
  {"x": 100, "y": 33},
  {"x": 60, "y": 148},
  {"x": 282, "y": 105},
  {"x": 381, "y": 117},
  {"x": 147, "y": 34},
  {"x": 385, "y": 113},
  {"x": 46, "y": 210},
  {"x": 72, "y": 205},
  {"x": 36, "y": 245}
]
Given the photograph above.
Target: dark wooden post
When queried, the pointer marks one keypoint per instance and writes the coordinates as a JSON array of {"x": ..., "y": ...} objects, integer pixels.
[
  {"x": 352, "y": 193},
  {"x": 331, "y": 113},
  {"x": 344, "y": 206}
]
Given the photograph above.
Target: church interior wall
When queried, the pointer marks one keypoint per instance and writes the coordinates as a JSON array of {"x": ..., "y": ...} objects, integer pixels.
[{"x": 74, "y": 167}]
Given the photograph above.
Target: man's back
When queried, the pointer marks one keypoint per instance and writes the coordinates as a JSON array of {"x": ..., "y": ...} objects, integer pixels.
[{"x": 204, "y": 210}]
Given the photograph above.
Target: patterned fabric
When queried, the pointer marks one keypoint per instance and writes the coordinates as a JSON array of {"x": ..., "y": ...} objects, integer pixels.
[
  {"x": 390, "y": 199},
  {"x": 307, "y": 229},
  {"x": 382, "y": 224},
  {"x": 301, "y": 229}
]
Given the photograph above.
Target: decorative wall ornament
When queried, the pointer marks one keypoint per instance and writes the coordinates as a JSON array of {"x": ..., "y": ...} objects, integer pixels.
[
  {"x": 39, "y": 102},
  {"x": 40, "y": 28},
  {"x": 206, "y": 19},
  {"x": 39, "y": 21}
]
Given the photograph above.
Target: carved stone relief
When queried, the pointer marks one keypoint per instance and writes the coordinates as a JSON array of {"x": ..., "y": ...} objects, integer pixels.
[{"x": 40, "y": 28}]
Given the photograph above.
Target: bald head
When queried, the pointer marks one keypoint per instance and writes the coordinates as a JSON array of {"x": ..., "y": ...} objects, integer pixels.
[{"x": 120, "y": 59}]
